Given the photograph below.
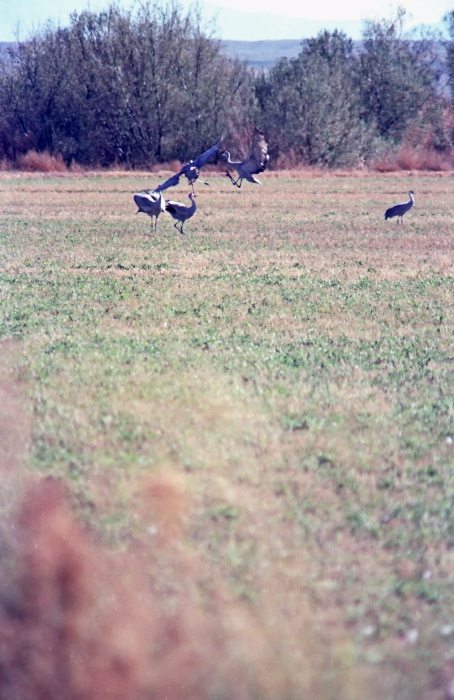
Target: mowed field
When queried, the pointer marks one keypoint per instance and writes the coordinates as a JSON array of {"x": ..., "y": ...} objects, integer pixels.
[{"x": 290, "y": 361}]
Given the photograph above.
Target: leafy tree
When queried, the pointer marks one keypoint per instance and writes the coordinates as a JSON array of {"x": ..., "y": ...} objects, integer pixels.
[
  {"x": 312, "y": 103},
  {"x": 449, "y": 46},
  {"x": 398, "y": 77},
  {"x": 32, "y": 84},
  {"x": 134, "y": 87}
]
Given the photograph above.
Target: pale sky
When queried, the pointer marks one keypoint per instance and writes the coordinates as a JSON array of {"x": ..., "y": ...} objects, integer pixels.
[
  {"x": 29, "y": 15},
  {"x": 424, "y": 11}
]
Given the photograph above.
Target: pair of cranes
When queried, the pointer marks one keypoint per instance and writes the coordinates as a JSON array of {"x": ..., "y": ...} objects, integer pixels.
[{"x": 152, "y": 202}]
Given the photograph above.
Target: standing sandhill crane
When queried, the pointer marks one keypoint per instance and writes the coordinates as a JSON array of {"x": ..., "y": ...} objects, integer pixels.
[
  {"x": 151, "y": 203},
  {"x": 400, "y": 209},
  {"x": 191, "y": 169},
  {"x": 180, "y": 212},
  {"x": 256, "y": 161}
]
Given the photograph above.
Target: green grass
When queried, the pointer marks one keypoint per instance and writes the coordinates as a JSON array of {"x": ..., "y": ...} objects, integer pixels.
[{"x": 292, "y": 355}]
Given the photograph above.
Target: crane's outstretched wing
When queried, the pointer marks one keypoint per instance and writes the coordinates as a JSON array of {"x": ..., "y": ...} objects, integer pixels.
[
  {"x": 258, "y": 157},
  {"x": 171, "y": 182},
  {"x": 191, "y": 169},
  {"x": 200, "y": 161}
]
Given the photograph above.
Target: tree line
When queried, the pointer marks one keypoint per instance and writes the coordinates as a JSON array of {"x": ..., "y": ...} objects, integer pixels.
[{"x": 145, "y": 86}]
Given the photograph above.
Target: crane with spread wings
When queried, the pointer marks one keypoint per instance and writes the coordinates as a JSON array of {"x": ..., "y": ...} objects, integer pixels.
[
  {"x": 255, "y": 162},
  {"x": 192, "y": 169}
]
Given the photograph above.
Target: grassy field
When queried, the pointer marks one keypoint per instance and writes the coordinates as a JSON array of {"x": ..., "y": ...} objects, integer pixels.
[{"x": 291, "y": 360}]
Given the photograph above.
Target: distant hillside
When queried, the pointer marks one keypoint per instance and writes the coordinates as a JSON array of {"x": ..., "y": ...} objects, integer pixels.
[
  {"x": 258, "y": 54},
  {"x": 262, "y": 54}
]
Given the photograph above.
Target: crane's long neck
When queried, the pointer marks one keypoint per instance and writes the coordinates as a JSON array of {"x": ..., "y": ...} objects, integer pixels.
[
  {"x": 231, "y": 162},
  {"x": 412, "y": 198},
  {"x": 193, "y": 206}
]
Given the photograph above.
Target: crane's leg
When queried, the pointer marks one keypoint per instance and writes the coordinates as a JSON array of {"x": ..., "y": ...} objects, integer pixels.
[
  {"x": 180, "y": 230},
  {"x": 234, "y": 182}
]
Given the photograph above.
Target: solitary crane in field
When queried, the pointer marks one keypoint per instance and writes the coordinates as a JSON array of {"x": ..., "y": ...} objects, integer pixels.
[
  {"x": 191, "y": 170},
  {"x": 400, "y": 209},
  {"x": 256, "y": 161},
  {"x": 151, "y": 203},
  {"x": 180, "y": 212}
]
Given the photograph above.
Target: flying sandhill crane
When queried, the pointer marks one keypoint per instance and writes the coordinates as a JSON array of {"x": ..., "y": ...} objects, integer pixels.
[
  {"x": 180, "y": 212},
  {"x": 256, "y": 161},
  {"x": 151, "y": 203},
  {"x": 400, "y": 209},
  {"x": 191, "y": 170}
]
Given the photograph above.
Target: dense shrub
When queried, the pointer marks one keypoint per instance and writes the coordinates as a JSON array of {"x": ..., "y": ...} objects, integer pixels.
[
  {"x": 336, "y": 104},
  {"x": 121, "y": 87},
  {"x": 40, "y": 162},
  {"x": 311, "y": 104}
]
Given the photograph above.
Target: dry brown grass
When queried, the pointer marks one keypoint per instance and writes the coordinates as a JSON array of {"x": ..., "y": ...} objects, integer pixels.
[
  {"x": 418, "y": 156},
  {"x": 80, "y": 621},
  {"x": 44, "y": 162},
  {"x": 413, "y": 158}
]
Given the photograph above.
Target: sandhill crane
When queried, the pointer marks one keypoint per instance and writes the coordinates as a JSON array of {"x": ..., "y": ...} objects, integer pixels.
[
  {"x": 151, "y": 203},
  {"x": 400, "y": 209},
  {"x": 180, "y": 212},
  {"x": 256, "y": 161},
  {"x": 191, "y": 170}
]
